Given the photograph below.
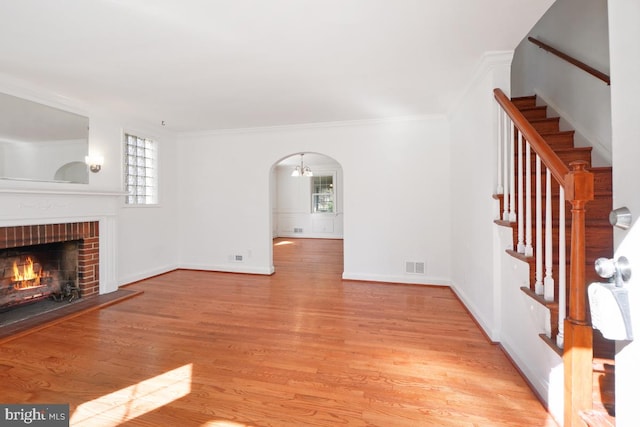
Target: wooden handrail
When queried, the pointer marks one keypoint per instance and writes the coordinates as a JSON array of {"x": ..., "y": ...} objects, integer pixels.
[
  {"x": 558, "y": 168},
  {"x": 597, "y": 74}
]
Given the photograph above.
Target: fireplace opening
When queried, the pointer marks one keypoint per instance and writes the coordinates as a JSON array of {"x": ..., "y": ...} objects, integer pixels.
[
  {"x": 30, "y": 274},
  {"x": 55, "y": 265}
]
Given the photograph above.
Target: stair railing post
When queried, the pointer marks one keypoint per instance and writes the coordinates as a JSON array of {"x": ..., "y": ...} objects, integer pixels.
[
  {"x": 562, "y": 270},
  {"x": 539, "y": 287},
  {"x": 512, "y": 172},
  {"x": 528, "y": 249},
  {"x": 549, "y": 283},
  {"x": 500, "y": 114},
  {"x": 578, "y": 335},
  {"x": 520, "y": 247},
  {"x": 506, "y": 123}
]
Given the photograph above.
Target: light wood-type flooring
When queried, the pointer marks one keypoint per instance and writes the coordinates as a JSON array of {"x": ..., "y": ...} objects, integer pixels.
[{"x": 299, "y": 348}]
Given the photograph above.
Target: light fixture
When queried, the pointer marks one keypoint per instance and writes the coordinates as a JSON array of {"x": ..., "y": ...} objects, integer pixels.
[
  {"x": 94, "y": 162},
  {"x": 302, "y": 170}
]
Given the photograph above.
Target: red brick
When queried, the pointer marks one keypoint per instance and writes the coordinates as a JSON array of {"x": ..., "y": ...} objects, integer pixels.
[
  {"x": 19, "y": 234},
  {"x": 3, "y": 237}
]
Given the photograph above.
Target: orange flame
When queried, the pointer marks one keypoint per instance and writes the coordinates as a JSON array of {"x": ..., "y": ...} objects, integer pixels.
[{"x": 27, "y": 271}]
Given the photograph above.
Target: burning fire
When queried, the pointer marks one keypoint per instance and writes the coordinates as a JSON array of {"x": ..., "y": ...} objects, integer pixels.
[{"x": 28, "y": 277}]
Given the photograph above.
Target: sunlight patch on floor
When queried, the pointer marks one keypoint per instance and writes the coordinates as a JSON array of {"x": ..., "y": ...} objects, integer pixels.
[
  {"x": 223, "y": 424},
  {"x": 284, "y": 242},
  {"x": 131, "y": 402}
]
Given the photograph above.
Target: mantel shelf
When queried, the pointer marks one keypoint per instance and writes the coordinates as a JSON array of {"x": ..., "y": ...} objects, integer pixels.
[{"x": 63, "y": 192}]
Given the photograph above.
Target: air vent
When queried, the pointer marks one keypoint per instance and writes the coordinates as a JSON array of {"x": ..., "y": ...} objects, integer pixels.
[
  {"x": 415, "y": 267},
  {"x": 238, "y": 258},
  {"x": 297, "y": 229},
  {"x": 410, "y": 267}
]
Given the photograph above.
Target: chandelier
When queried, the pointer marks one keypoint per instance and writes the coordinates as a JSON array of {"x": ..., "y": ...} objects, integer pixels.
[{"x": 302, "y": 170}]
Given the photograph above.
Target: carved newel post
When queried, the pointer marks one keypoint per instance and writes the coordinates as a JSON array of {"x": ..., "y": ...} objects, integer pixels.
[{"x": 578, "y": 339}]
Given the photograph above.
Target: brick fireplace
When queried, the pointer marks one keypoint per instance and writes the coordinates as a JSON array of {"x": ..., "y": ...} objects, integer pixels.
[{"x": 84, "y": 235}]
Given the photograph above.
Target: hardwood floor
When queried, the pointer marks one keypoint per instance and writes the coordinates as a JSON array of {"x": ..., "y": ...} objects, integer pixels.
[{"x": 299, "y": 348}]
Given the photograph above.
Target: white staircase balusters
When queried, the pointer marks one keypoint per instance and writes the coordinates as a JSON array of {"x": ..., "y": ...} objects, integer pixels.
[
  {"x": 520, "y": 247},
  {"x": 506, "y": 122},
  {"x": 539, "y": 287},
  {"x": 528, "y": 249},
  {"x": 500, "y": 145},
  {"x": 562, "y": 270},
  {"x": 512, "y": 181},
  {"x": 549, "y": 283}
]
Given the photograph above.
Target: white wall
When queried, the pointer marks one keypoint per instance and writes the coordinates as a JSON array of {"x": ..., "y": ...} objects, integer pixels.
[
  {"x": 580, "y": 29},
  {"x": 148, "y": 243},
  {"x": 485, "y": 278},
  {"x": 624, "y": 16},
  {"x": 473, "y": 181},
  {"x": 396, "y": 201}
]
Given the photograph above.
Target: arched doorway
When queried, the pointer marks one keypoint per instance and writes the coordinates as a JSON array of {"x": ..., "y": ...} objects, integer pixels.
[{"x": 307, "y": 206}]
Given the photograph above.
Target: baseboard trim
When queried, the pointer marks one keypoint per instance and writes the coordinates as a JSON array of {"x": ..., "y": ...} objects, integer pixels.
[{"x": 410, "y": 280}]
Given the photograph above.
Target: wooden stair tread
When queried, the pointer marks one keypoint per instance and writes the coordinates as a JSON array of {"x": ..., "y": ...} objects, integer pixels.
[{"x": 597, "y": 419}]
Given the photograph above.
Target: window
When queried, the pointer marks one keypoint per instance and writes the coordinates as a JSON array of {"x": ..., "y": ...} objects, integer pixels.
[
  {"x": 140, "y": 170},
  {"x": 322, "y": 194}
]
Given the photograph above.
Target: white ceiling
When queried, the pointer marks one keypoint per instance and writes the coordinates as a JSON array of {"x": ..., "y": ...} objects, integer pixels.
[{"x": 219, "y": 64}]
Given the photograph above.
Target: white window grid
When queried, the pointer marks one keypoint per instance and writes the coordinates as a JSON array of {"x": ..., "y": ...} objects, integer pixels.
[
  {"x": 140, "y": 170},
  {"x": 322, "y": 194}
]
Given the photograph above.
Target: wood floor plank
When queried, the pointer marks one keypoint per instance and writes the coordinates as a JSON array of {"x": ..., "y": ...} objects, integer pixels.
[{"x": 299, "y": 348}]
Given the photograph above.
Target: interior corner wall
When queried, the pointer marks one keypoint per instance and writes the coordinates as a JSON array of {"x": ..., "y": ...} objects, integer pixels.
[
  {"x": 580, "y": 29},
  {"x": 473, "y": 181},
  {"x": 396, "y": 202}
]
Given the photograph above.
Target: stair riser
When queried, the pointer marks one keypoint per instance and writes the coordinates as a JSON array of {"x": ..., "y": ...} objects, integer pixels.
[
  {"x": 559, "y": 139},
  {"x": 531, "y": 113},
  {"x": 524, "y": 101},
  {"x": 547, "y": 125}
]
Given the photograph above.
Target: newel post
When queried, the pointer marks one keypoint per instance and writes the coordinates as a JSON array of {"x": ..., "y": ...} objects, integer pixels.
[{"x": 578, "y": 339}]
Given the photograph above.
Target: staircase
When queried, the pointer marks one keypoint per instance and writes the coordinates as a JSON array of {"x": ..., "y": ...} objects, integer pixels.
[{"x": 598, "y": 243}]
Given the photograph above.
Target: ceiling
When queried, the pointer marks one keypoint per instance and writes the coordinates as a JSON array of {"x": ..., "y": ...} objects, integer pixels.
[{"x": 203, "y": 65}]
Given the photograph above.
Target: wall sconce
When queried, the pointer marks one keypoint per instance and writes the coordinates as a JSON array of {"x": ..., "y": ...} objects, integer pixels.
[{"x": 94, "y": 162}]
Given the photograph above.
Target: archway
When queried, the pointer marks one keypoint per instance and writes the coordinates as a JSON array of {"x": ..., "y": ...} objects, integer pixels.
[{"x": 307, "y": 207}]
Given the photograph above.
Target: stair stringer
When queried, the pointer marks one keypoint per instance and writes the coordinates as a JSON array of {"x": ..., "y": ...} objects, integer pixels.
[{"x": 523, "y": 319}]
